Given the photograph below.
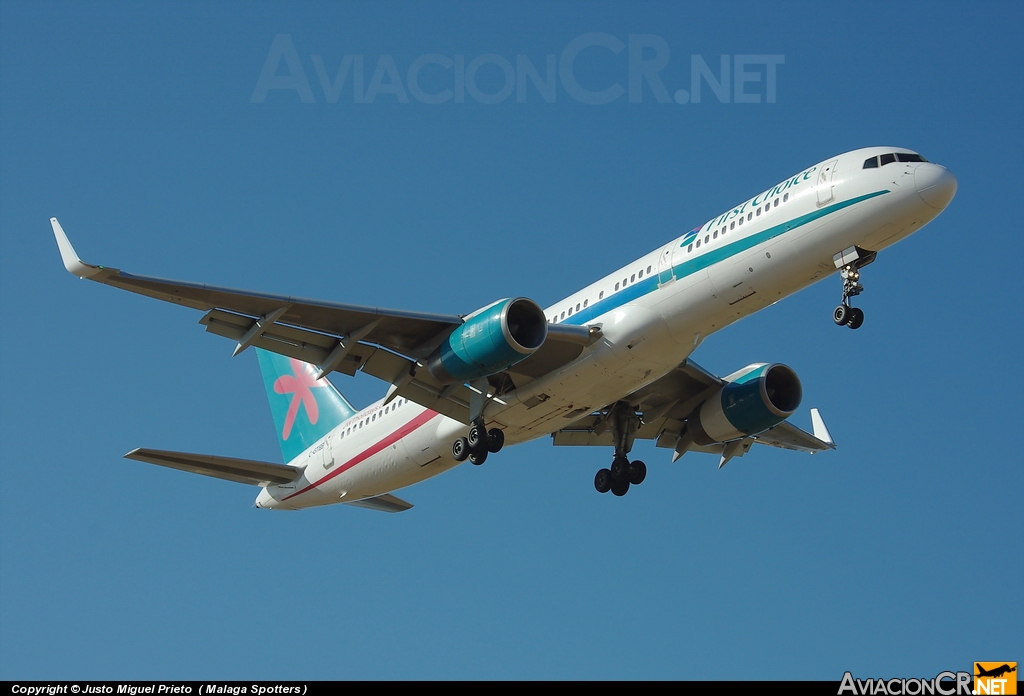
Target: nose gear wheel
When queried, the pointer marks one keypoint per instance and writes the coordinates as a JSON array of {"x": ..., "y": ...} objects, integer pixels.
[{"x": 849, "y": 262}]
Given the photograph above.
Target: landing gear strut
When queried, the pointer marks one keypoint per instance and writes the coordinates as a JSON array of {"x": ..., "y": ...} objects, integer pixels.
[
  {"x": 478, "y": 444},
  {"x": 480, "y": 440},
  {"x": 623, "y": 421},
  {"x": 849, "y": 263}
]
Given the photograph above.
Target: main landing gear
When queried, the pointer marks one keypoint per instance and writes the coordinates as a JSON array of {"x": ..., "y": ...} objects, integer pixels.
[
  {"x": 478, "y": 444},
  {"x": 623, "y": 420},
  {"x": 849, "y": 263}
]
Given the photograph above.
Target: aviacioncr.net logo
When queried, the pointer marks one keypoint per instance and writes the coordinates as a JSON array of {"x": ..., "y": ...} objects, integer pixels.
[{"x": 944, "y": 684}]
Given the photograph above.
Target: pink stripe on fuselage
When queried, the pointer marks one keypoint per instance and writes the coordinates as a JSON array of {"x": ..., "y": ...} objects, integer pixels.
[{"x": 394, "y": 437}]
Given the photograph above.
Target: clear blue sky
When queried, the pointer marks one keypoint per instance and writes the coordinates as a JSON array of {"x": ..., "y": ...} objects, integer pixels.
[{"x": 140, "y": 126}]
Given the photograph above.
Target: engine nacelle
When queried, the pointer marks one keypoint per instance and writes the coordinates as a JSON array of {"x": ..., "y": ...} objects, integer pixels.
[
  {"x": 760, "y": 397},
  {"x": 490, "y": 340}
]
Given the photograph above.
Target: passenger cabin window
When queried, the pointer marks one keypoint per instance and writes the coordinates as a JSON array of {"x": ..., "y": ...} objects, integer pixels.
[
  {"x": 632, "y": 278},
  {"x": 689, "y": 248},
  {"x": 648, "y": 270},
  {"x": 600, "y": 295},
  {"x": 616, "y": 287},
  {"x": 585, "y": 303},
  {"x": 732, "y": 225},
  {"x": 570, "y": 311},
  {"x": 577, "y": 306},
  {"x": 785, "y": 198},
  {"x": 563, "y": 315},
  {"x": 640, "y": 274}
]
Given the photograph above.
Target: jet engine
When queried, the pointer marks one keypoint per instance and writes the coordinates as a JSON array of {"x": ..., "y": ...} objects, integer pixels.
[
  {"x": 756, "y": 398},
  {"x": 490, "y": 340}
]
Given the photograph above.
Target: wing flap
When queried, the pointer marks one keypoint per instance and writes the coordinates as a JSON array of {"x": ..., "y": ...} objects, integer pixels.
[{"x": 227, "y": 468}]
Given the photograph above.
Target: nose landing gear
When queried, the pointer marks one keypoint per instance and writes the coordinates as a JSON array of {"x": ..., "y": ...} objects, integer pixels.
[{"x": 849, "y": 263}]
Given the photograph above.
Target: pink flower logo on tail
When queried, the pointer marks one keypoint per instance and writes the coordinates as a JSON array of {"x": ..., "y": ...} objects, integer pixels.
[{"x": 299, "y": 386}]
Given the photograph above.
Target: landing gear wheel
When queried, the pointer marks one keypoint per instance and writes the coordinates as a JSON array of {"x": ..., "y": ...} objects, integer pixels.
[
  {"x": 460, "y": 449},
  {"x": 637, "y": 472},
  {"x": 478, "y": 458},
  {"x": 495, "y": 440},
  {"x": 620, "y": 488},
  {"x": 477, "y": 437},
  {"x": 603, "y": 481},
  {"x": 856, "y": 318},
  {"x": 841, "y": 315},
  {"x": 620, "y": 470}
]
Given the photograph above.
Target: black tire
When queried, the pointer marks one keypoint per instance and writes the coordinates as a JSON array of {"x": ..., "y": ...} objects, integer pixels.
[
  {"x": 856, "y": 318},
  {"x": 477, "y": 438},
  {"x": 495, "y": 440},
  {"x": 478, "y": 458},
  {"x": 637, "y": 472},
  {"x": 460, "y": 449},
  {"x": 620, "y": 488},
  {"x": 620, "y": 469},
  {"x": 603, "y": 481},
  {"x": 841, "y": 315}
]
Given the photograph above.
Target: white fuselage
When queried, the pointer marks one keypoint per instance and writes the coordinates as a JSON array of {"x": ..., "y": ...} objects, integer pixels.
[{"x": 653, "y": 313}]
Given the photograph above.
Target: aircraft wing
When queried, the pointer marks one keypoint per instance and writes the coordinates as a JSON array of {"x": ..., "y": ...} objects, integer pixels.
[
  {"x": 667, "y": 403},
  {"x": 384, "y": 343},
  {"x": 227, "y": 468}
]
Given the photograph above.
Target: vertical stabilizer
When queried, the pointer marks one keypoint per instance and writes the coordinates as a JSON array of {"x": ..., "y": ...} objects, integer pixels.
[{"x": 304, "y": 408}]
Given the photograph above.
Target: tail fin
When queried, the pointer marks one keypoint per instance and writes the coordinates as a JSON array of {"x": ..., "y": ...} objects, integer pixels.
[{"x": 304, "y": 408}]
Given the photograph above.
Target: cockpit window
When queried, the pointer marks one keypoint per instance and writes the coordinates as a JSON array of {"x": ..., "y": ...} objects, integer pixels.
[{"x": 872, "y": 162}]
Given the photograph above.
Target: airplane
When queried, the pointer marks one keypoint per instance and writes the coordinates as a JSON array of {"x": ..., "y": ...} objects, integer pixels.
[
  {"x": 602, "y": 367},
  {"x": 994, "y": 672}
]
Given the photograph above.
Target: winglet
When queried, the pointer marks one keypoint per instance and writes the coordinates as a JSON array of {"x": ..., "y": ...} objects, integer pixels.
[
  {"x": 820, "y": 430},
  {"x": 74, "y": 264}
]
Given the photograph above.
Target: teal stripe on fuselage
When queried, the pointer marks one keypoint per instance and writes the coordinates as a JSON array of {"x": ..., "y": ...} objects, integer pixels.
[{"x": 650, "y": 284}]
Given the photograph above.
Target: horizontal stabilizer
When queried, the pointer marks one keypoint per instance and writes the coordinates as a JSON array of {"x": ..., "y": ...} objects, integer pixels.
[
  {"x": 384, "y": 503},
  {"x": 227, "y": 468}
]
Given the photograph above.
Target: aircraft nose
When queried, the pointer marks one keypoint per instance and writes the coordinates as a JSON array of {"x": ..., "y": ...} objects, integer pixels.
[{"x": 935, "y": 184}]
